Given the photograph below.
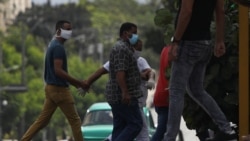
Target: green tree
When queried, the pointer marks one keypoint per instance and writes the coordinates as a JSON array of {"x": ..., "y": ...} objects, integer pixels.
[
  {"x": 94, "y": 23},
  {"x": 3, "y": 1},
  {"x": 34, "y": 29},
  {"x": 24, "y": 108},
  {"x": 42, "y": 19},
  {"x": 107, "y": 23},
  {"x": 12, "y": 45}
]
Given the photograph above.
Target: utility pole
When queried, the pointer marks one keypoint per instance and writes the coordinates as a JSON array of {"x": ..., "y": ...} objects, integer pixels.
[
  {"x": 1, "y": 57},
  {"x": 1, "y": 124},
  {"x": 1, "y": 64},
  {"x": 243, "y": 71}
]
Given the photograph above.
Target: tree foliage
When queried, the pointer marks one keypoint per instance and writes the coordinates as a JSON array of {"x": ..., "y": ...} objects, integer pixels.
[
  {"x": 107, "y": 23},
  {"x": 3, "y": 1},
  {"x": 23, "y": 108},
  {"x": 93, "y": 23}
]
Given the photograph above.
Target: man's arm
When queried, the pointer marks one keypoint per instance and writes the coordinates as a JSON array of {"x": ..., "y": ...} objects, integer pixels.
[
  {"x": 184, "y": 18},
  {"x": 101, "y": 71},
  {"x": 145, "y": 74},
  {"x": 64, "y": 75},
  {"x": 182, "y": 23},
  {"x": 219, "y": 49},
  {"x": 150, "y": 75},
  {"x": 144, "y": 68},
  {"x": 121, "y": 77}
]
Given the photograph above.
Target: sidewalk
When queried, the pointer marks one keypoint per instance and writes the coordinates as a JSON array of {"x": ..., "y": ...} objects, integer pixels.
[{"x": 188, "y": 135}]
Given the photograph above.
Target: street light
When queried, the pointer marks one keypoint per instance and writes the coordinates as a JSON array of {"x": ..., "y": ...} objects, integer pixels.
[
  {"x": 20, "y": 87},
  {"x": 9, "y": 88},
  {"x": 12, "y": 88}
]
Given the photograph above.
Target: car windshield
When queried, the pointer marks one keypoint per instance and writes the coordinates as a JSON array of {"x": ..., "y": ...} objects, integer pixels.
[{"x": 102, "y": 117}]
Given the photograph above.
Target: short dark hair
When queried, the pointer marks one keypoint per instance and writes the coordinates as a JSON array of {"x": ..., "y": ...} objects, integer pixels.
[
  {"x": 126, "y": 26},
  {"x": 59, "y": 24}
]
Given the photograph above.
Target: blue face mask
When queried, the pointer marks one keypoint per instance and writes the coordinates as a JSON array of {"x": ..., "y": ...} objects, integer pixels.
[{"x": 133, "y": 39}]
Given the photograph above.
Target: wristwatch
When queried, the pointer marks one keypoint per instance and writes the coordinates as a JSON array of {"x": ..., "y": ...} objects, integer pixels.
[{"x": 173, "y": 40}]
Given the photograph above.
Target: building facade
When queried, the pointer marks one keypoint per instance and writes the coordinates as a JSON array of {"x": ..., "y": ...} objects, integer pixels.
[{"x": 9, "y": 9}]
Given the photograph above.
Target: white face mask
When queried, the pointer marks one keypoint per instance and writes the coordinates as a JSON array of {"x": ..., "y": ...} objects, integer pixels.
[{"x": 66, "y": 34}]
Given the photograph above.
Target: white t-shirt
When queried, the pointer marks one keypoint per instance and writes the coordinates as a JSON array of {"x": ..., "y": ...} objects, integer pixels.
[
  {"x": 141, "y": 63},
  {"x": 106, "y": 66}
]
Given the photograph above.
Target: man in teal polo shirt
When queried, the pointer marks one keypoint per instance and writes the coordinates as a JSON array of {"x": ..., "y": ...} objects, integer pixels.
[{"x": 57, "y": 92}]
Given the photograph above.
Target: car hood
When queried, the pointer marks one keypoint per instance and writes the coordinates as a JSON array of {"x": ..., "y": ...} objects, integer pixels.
[{"x": 96, "y": 131}]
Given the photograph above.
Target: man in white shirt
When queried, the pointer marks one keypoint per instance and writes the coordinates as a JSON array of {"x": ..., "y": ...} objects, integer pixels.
[{"x": 148, "y": 82}]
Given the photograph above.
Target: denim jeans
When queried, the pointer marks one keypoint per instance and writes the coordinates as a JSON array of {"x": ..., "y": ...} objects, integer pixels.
[
  {"x": 162, "y": 117},
  {"x": 61, "y": 97},
  {"x": 144, "y": 133},
  {"x": 188, "y": 72},
  {"x": 127, "y": 121}
]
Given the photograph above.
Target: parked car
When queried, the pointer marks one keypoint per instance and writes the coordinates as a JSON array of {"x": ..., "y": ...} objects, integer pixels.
[{"x": 98, "y": 122}]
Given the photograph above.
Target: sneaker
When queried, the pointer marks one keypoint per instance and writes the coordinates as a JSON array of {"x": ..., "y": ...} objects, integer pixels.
[
  {"x": 246, "y": 138},
  {"x": 221, "y": 136}
]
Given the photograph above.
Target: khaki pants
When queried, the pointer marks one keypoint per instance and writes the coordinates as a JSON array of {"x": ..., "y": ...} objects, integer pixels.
[{"x": 56, "y": 97}]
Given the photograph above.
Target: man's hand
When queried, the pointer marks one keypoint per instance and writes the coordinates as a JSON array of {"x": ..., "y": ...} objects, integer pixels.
[
  {"x": 83, "y": 89},
  {"x": 145, "y": 75},
  {"x": 86, "y": 82},
  {"x": 126, "y": 98},
  {"x": 219, "y": 49},
  {"x": 150, "y": 84},
  {"x": 173, "y": 52},
  {"x": 84, "y": 85},
  {"x": 81, "y": 92}
]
